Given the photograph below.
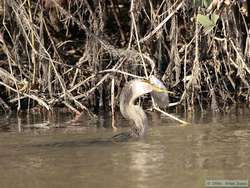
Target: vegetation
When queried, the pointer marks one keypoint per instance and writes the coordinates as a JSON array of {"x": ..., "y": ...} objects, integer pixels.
[{"x": 79, "y": 54}]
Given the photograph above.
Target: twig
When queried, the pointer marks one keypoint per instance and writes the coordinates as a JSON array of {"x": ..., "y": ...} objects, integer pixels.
[
  {"x": 122, "y": 72},
  {"x": 71, "y": 107},
  {"x": 162, "y": 23},
  {"x": 243, "y": 63},
  {"x": 6, "y": 50},
  {"x": 113, "y": 103},
  {"x": 38, "y": 125},
  {"x": 117, "y": 20},
  {"x": 137, "y": 37},
  {"x": 4, "y": 105},
  {"x": 40, "y": 101},
  {"x": 171, "y": 116}
]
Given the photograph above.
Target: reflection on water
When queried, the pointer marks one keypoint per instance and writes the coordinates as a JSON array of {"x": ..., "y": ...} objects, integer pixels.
[{"x": 79, "y": 154}]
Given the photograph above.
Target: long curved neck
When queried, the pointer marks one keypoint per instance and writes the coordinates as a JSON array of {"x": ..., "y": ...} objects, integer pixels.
[
  {"x": 134, "y": 112},
  {"x": 141, "y": 121}
]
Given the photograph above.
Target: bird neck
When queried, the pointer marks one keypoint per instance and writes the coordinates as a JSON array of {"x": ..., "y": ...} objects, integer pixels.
[
  {"x": 129, "y": 110},
  {"x": 141, "y": 121}
]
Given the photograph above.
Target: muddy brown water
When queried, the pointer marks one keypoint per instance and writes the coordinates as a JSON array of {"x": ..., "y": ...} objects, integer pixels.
[{"x": 78, "y": 154}]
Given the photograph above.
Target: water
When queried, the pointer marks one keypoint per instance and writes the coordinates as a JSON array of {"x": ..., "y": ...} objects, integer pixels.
[{"x": 78, "y": 154}]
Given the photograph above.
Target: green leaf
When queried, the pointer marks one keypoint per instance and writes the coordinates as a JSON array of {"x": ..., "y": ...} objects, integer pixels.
[
  {"x": 214, "y": 18},
  {"x": 204, "y": 20},
  {"x": 202, "y": 3},
  {"x": 207, "y": 23},
  {"x": 208, "y": 29}
]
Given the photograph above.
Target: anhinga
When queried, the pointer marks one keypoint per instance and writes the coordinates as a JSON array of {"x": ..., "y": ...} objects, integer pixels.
[{"x": 130, "y": 92}]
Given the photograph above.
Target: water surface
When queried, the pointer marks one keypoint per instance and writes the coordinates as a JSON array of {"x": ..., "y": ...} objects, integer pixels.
[{"x": 77, "y": 153}]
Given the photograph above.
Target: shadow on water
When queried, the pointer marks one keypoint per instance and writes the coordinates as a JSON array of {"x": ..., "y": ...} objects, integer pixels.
[
  {"x": 76, "y": 144},
  {"x": 88, "y": 143}
]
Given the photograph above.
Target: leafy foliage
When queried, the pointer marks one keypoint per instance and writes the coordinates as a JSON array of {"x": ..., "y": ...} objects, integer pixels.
[
  {"x": 202, "y": 3},
  {"x": 207, "y": 22}
]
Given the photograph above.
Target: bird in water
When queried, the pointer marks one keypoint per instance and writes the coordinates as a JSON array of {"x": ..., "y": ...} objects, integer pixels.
[{"x": 129, "y": 110}]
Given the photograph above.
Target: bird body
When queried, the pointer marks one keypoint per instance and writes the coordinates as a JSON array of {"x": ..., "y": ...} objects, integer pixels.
[{"x": 130, "y": 92}]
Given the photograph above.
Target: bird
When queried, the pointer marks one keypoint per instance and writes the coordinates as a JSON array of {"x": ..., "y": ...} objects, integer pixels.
[{"x": 131, "y": 111}]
